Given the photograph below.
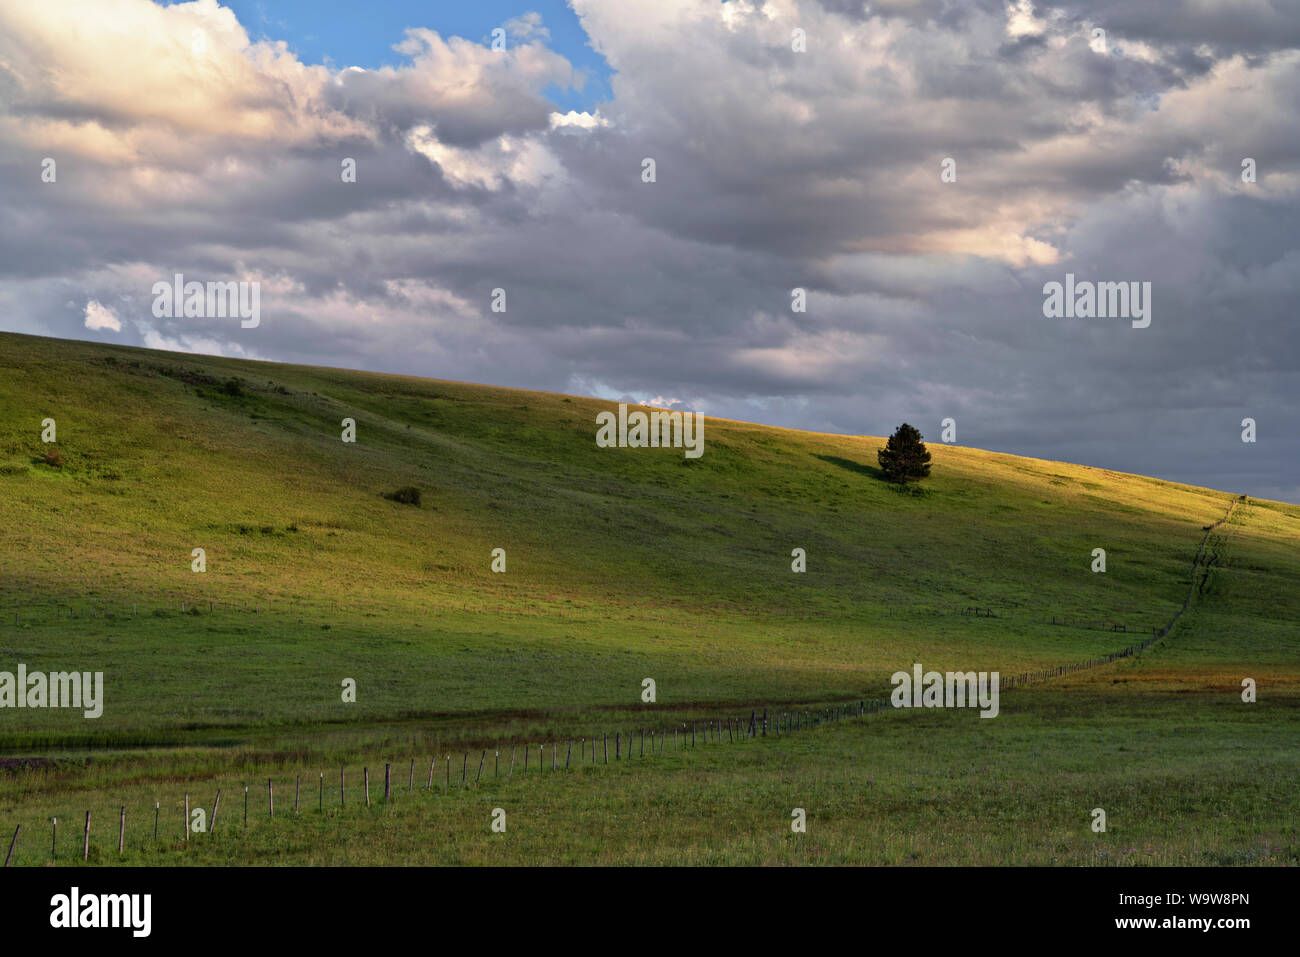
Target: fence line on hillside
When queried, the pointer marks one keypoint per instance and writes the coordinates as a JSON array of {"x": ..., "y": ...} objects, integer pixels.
[{"x": 779, "y": 722}]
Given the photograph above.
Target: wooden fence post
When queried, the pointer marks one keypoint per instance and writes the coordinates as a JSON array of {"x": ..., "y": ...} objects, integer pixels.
[
  {"x": 13, "y": 844},
  {"x": 121, "y": 831},
  {"x": 297, "y": 790},
  {"x": 343, "y": 791},
  {"x": 156, "y": 805},
  {"x": 512, "y": 762},
  {"x": 270, "y": 798},
  {"x": 388, "y": 781},
  {"x": 85, "y": 847},
  {"x": 54, "y": 839},
  {"x": 429, "y": 787},
  {"x": 464, "y": 766},
  {"x": 187, "y": 816},
  {"x": 481, "y": 759},
  {"x": 618, "y": 745},
  {"x": 365, "y": 773},
  {"x": 410, "y": 785},
  {"x": 212, "y": 825},
  {"x": 568, "y": 754}
]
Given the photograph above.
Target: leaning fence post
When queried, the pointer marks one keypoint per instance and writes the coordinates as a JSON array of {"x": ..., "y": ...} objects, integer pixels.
[
  {"x": 121, "y": 831},
  {"x": 270, "y": 798},
  {"x": 568, "y": 754},
  {"x": 212, "y": 825},
  {"x": 14, "y": 843},
  {"x": 482, "y": 758},
  {"x": 85, "y": 847},
  {"x": 410, "y": 785}
]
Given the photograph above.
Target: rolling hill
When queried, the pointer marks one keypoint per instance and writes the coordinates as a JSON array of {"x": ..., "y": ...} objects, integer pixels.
[{"x": 620, "y": 564}]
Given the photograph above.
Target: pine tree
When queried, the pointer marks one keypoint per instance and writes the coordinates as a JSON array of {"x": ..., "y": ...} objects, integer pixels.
[{"x": 905, "y": 457}]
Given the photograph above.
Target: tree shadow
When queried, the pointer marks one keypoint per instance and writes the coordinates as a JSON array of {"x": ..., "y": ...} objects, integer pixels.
[{"x": 867, "y": 470}]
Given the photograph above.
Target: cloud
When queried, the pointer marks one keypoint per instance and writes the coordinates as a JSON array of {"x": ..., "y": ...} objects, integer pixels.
[
  {"x": 101, "y": 317},
  {"x": 776, "y": 169}
]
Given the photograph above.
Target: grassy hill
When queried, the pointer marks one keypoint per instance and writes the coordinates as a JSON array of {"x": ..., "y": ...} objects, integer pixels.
[{"x": 621, "y": 564}]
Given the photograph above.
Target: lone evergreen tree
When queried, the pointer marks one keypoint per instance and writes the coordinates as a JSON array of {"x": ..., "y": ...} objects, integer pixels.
[{"x": 905, "y": 457}]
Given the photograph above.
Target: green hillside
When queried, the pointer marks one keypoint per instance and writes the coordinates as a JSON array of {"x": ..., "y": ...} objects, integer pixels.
[{"x": 621, "y": 564}]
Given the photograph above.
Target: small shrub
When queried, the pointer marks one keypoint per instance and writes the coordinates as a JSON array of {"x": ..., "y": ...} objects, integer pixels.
[
  {"x": 406, "y": 495},
  {"x": 53, "y": 459},
  {"x": 233, "y": 386}
]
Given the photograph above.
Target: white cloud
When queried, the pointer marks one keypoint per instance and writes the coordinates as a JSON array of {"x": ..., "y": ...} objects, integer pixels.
[
  {"x": 101, "y": 317},
  {"x": 584, "y": 120}
]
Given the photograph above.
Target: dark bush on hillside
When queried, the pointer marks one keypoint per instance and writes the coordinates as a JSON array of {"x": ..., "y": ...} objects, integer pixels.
[
  {"x": 53, "y": 459},
  {"x": 407, "y": 495},
  {"x": 233, "y": 386}
]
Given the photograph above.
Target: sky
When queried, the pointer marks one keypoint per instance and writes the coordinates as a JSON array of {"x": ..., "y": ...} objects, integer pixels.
[{"x": 855, "y": 214}]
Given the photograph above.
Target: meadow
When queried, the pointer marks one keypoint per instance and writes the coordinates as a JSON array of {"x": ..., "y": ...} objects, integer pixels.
[{"x": 621, "y": 564}]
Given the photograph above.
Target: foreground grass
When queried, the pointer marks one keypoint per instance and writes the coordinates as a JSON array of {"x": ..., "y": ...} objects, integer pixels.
[{"x": 1184, "y": 779}]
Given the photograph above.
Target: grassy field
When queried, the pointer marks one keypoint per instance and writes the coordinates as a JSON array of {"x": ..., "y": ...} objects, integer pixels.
[{"x": 621, "y": 564}]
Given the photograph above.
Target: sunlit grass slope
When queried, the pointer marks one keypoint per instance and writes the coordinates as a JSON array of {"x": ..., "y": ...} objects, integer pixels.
[{"x": 621, "y": 563}]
